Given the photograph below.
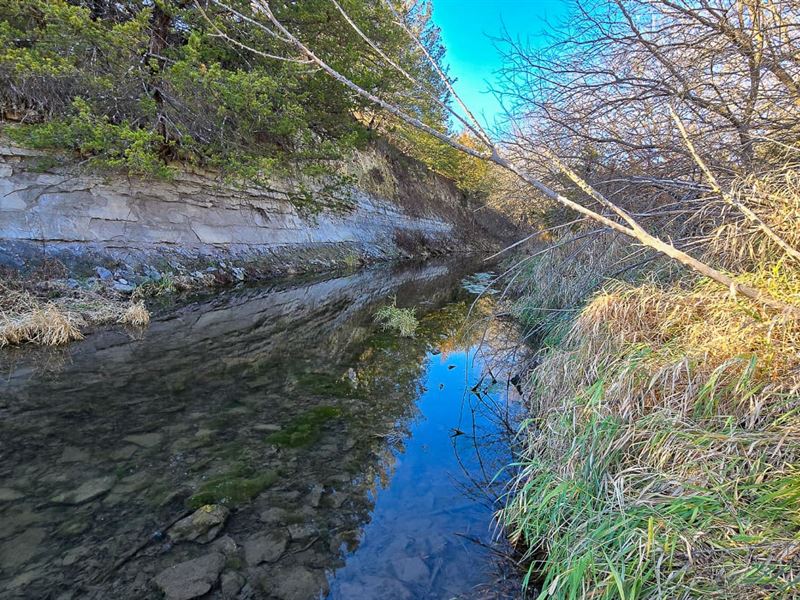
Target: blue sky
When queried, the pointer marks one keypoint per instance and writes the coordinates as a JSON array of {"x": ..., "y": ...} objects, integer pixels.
[{"x": 466, "y": 26}]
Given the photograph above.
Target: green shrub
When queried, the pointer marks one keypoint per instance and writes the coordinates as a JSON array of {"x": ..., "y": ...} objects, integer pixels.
[{"x": 400, "y": 320}]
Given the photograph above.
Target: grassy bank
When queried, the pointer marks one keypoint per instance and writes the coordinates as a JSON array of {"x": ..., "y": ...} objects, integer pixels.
[{"x": 662, "y": 453}]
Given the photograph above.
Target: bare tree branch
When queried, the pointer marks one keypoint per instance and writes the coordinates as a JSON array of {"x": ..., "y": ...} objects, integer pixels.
[
  {"x": 631, "y": 229},
  {"x": 729, "y": 198}
]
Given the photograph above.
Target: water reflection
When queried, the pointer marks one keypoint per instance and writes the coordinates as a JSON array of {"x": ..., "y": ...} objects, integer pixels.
[{"x": 346, "y": 454}]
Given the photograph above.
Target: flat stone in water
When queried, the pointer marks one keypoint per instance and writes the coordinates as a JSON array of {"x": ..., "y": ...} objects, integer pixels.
[
  {"x": 20, "y": 549},
  {"x": 267, "y": 547},
  {"x": 266, "y": 427},
  {"x": 302, "y": 531},
  {"x": 412, "y": 569},
  {"x": 145, "y": 440},
  {"x": 124, "y": 453},
  {"x": 103, "y": 273},
  {"x": 9, "y": 494},
  {"x": 89, "y": 490},
  {"x": 74, "y": 527},
  {"x": 15, "y": 521},
  {"x": 371, "y": 586},
  {"x": 201, "y": 526},
  {"x": 25, "y": 578},
  {"x": 297, "y": 583},
  {"x": 190, "y": 579},
  {"x": 73, "y": 454},
  {"x": 231, "y": 583},
  {"x": 273, "y": 515},
  {"x": 225, "y": 546}
]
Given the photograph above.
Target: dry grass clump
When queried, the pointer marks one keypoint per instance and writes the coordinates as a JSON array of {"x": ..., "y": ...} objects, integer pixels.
[
  {"x": 26, "y": 319},
  {"x": 136, "y": 315},
  {"x": 775, "y": 198},
  {"x": 684, "y": 338},
  {"x": 560, "y": 279},
  {"x": 46, "y": 326},
  {"x": 51, "y": 314}
]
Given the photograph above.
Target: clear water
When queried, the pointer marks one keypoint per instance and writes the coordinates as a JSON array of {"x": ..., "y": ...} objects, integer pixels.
[{"x": 366, "y": 455}]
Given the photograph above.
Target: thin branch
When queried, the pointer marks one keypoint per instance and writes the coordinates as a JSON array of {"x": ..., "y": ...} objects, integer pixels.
[
  {"x": 729, "y": 198},
  {"x": 483, "y": 135},
  {"x": 239, "y": 44},
  {"x": 404, "y": 73}
]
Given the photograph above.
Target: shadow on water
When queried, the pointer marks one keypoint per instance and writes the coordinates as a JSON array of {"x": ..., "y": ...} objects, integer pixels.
[{"x": 354, "y": 463}]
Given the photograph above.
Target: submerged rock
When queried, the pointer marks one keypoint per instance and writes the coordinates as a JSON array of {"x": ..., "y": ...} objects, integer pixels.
[
  {"x": 412, "y": 569},
  {"x": 299, "y": 583},
  {"x": 232, "y": 488},
  {"x": 124, "y": 453},
  {"x": 315, "y": 496},
  {"x": 201, "y": 526},
  {"x": 226, "y": 546},
  {"x": 144, "y": 440},
  {"x": 152, "y": 274},
  {"x": 266, "y": 427},
  {"x": 302, "y": 531},
  {"x": 20, "y": 549},
  {"x": 190, "y": 579},
  {"x": 89, "y": 490},
  {"x": 9, "y": 494},
  {"x": 273, "y": 515},
  {"x": 372, "y": 586},
  {"x": 72, "y": 454},
  {"x": 232, "y": 582},
  {"x": 267, "y": 547}
]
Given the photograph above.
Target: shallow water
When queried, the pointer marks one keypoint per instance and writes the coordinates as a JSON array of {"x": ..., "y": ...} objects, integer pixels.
[{"x": 355, "y": 463}]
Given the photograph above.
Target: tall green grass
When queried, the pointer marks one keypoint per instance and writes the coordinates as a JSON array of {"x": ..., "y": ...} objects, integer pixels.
[{"x": 662, "y": 454}]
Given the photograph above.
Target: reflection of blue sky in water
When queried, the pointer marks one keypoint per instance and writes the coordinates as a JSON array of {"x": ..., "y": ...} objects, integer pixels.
[{"x": 416, "y": 545}]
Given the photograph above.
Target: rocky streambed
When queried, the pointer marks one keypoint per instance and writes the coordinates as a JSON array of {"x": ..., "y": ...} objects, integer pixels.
[{"x": 269, "y": 442}]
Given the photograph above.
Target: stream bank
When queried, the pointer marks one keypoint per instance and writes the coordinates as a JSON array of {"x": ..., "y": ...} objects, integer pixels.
[{"x": 389, "y": 207}]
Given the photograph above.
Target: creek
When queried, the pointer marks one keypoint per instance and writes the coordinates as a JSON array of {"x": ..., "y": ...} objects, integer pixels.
[{"x": 345, "y": 462}]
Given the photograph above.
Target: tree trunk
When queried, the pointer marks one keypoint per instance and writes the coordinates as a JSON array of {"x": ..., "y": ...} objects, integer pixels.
[{"x": 160, "y": 23}]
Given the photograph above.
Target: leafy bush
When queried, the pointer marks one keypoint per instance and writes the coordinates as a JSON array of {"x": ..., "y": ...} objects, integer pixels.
[{"x": 98, "y": 140}]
